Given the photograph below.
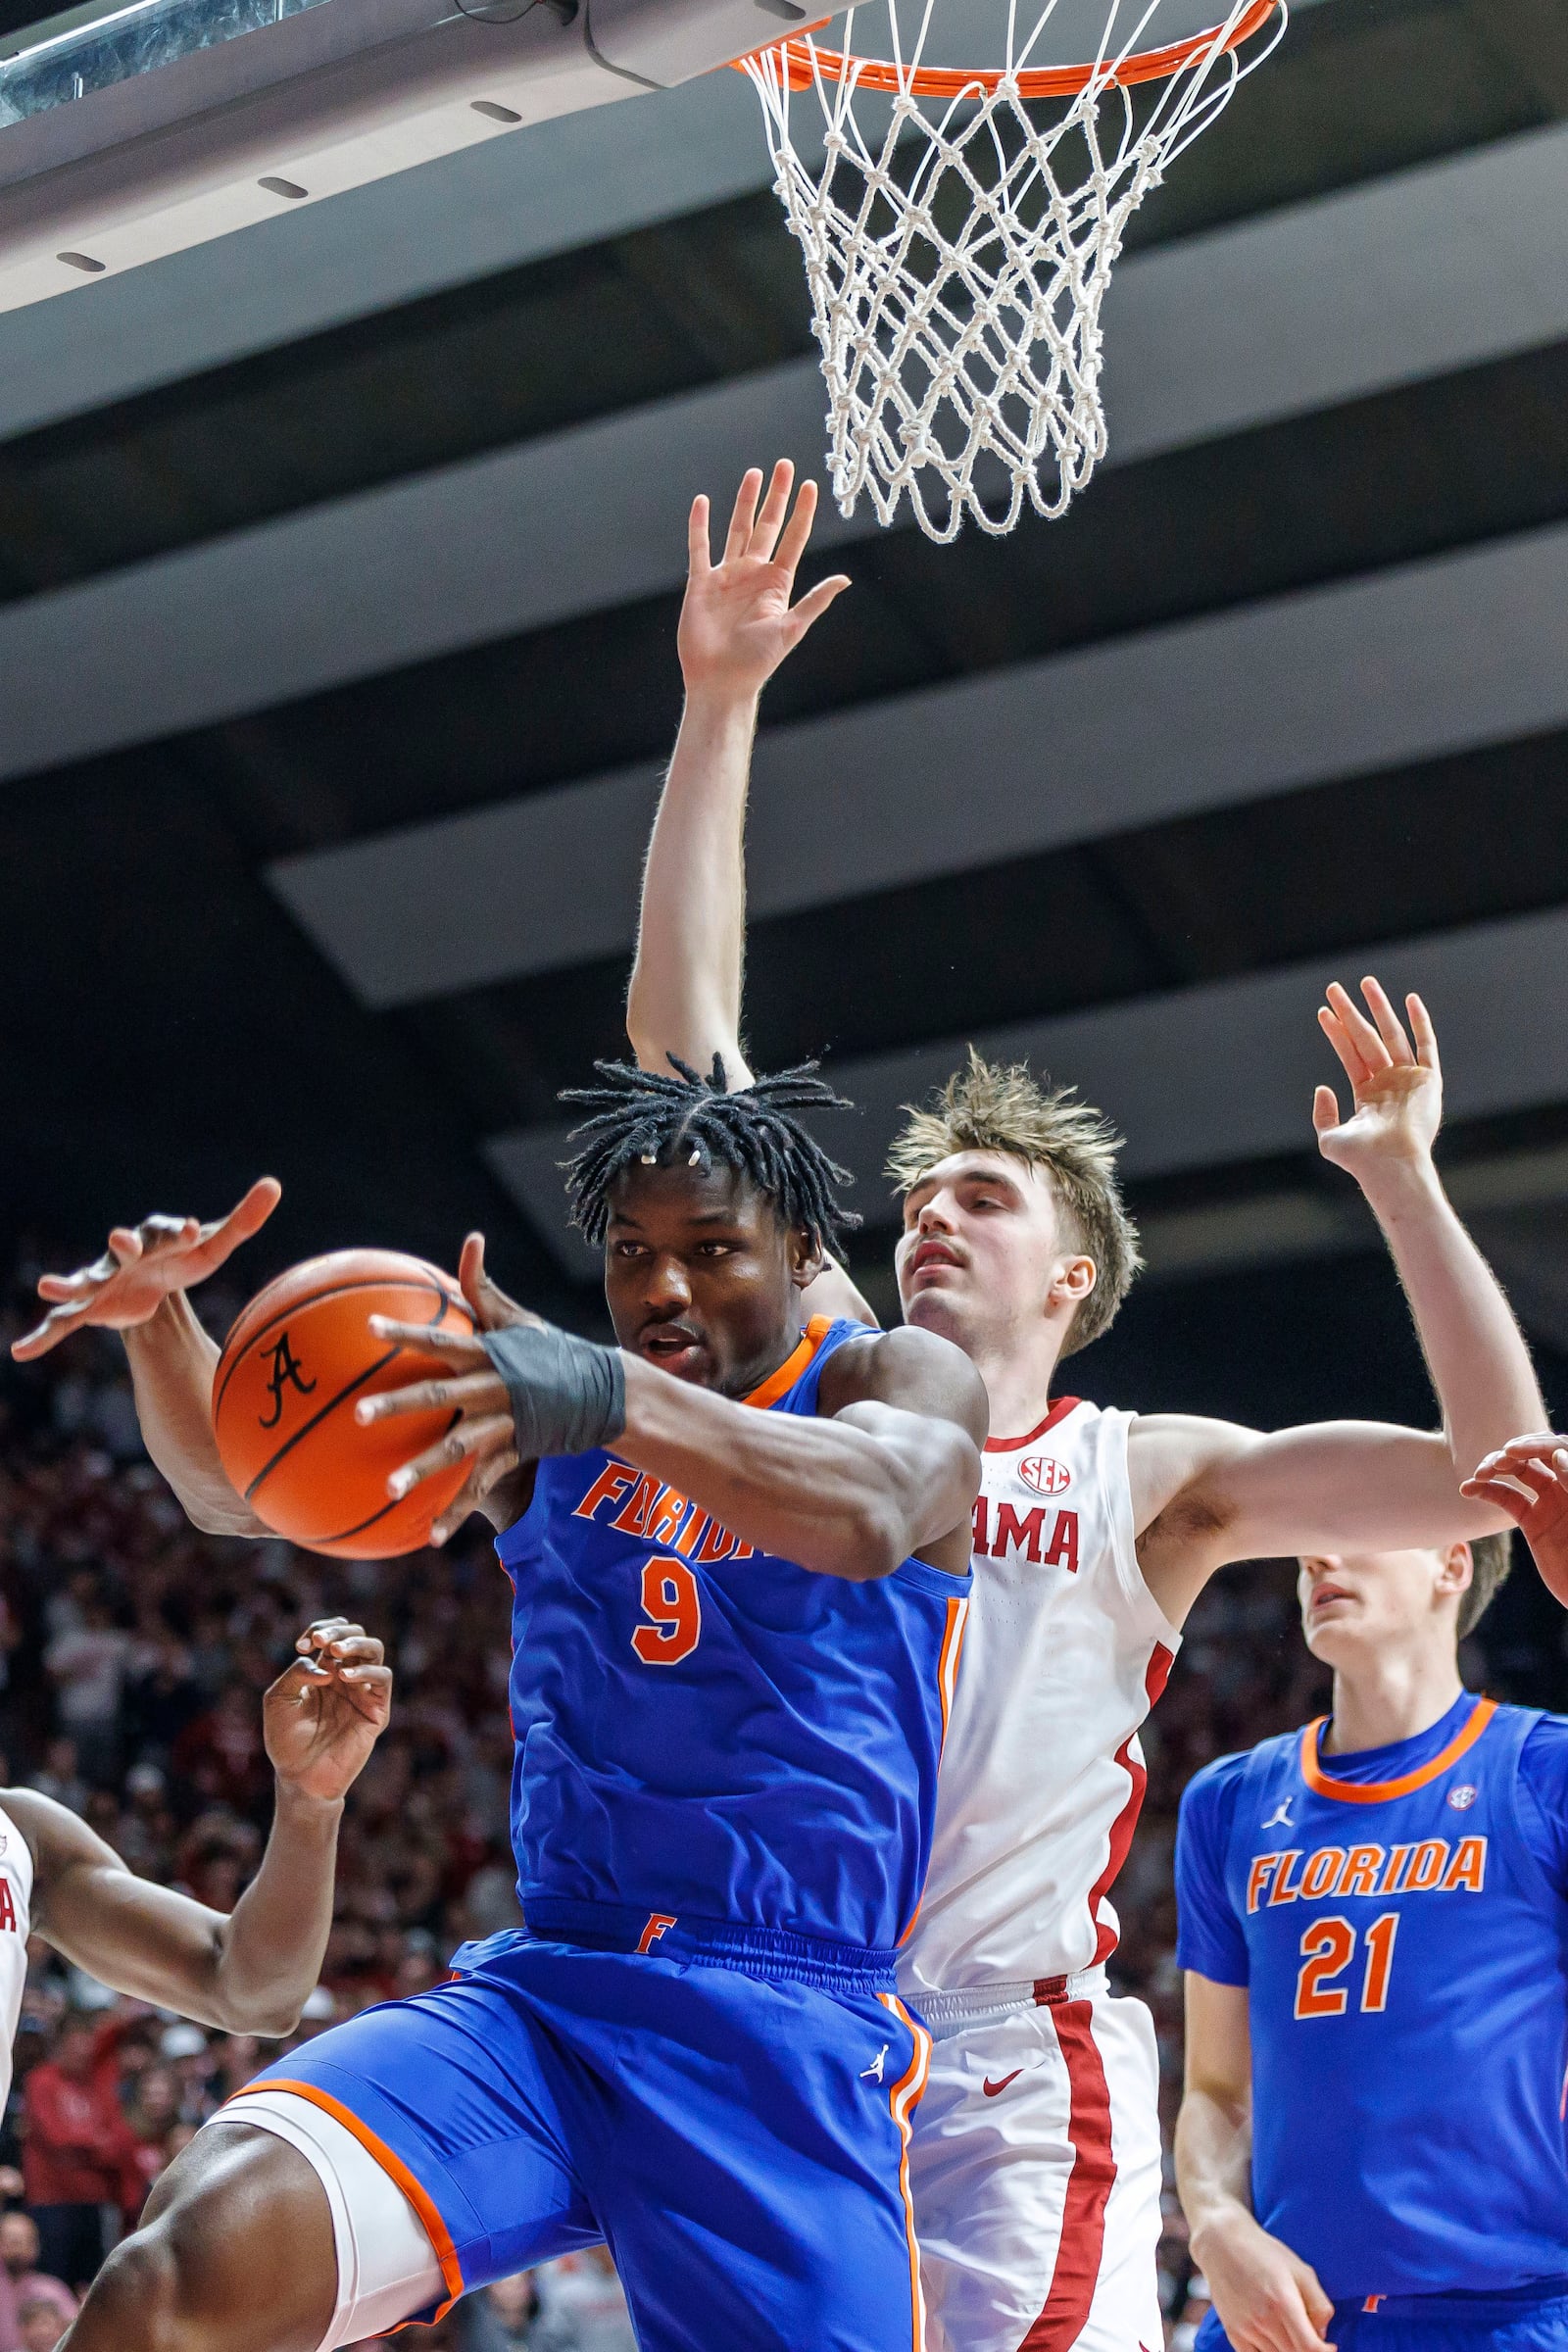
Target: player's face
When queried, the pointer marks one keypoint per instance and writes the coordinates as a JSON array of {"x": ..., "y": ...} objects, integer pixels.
[
  {"x": 702, "y": 1276},
  {"x": 983, "y": 1244},
  {"x": 1355, "y": 1604}
]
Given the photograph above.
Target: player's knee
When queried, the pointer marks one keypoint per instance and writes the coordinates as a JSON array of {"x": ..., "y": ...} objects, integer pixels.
[
  {"x": 135, "y": 2304},
  {"x": 185, "y": 2281}
]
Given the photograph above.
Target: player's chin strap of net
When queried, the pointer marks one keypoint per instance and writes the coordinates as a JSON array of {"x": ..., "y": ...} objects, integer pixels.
[{"x": 960, "y": 232}]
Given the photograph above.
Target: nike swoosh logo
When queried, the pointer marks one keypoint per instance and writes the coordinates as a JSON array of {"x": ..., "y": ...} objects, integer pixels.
[{"x": 992, "y": 2089}]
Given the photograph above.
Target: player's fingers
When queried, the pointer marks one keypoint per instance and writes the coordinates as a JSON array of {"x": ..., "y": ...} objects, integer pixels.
[
  {"x": 1325, "y": 1109},
  {"x": 698, "y": 547},
  {"x": 296, "y": 1682},
  {"x": 493, "y": 1309},
  {"x": 460, "y": 1347},
  {"x": 468, "y": 1439},
  {"x": 1351, "y": 1059},
  {"x": 1360, "y": 1031},
  {"x": 44, "y": 1336},
  {"x": 811, "y": 607},
  {"x": 490, "y": 1474},
  {"x": 1536, "y": 1445},
  {"x": 1499, "y": 1495},
  {"x": 797, "y": 529},
  {"x": 372, "y": 1682},
  {"x": 245, "y": 1218},
  {"x": 323, "y": 1630},
  {"x": 63, "y": 1285},
  {"x": 464, "y": 1394},
  {"x": 124, "y": 1248},
  {"x": 775, "y": 506},
  {"x": 1424, "y": 1035},
  {"x": 742, "y": 514},
  {"x": 362, "y": 1650},
  {"x": 1389, "y": 1027}
]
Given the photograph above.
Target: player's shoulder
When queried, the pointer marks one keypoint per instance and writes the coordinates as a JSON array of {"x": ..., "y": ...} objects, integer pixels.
[
  {"x": 1213, "y": 1793},
  {"x": 917, "y": 1369}
]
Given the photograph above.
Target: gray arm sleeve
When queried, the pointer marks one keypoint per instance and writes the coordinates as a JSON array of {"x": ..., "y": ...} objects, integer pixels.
[{"x": 567, "y": 1395}]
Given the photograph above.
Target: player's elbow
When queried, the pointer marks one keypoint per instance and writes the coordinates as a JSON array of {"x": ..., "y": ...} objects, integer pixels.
[{"x": 268, "y": 2011}]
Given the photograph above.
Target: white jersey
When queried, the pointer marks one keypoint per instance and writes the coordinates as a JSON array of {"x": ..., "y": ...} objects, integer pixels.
[
  {"x": 1066, "y": 1651},
  {"x": 15, "y": 1899}
]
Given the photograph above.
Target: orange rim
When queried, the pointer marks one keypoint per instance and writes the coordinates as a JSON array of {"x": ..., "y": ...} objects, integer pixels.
[{"x": 803, "y": 61}]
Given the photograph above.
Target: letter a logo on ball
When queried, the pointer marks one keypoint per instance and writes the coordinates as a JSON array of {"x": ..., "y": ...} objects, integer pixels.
[{"x": 285, "y": 1369}]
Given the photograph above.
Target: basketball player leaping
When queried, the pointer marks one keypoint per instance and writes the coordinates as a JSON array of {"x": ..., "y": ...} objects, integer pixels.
[
  {"x": 1374, "y": 1928},
  {"x": 739, "y": 1546},
  {"x": 1036, "y": 2160}
]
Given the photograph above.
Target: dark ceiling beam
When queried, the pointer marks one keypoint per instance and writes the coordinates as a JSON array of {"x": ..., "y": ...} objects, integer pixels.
[
  {"x": 1206, "y": 1077},
  {"x": 1408, "y": 277},
  {"x": 1409, "y": 665}
]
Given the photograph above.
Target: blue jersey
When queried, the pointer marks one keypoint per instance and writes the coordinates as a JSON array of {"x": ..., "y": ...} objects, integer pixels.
[
  {"x": 1402, "y": 1927},
  {"x": 717, "y": 1748}
]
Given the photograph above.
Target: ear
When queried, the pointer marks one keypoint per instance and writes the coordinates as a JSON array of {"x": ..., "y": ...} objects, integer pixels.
[
  {"x": 1074, "y": 1279},
  {"x": 807, "y": 1261},
  {"x": 1455, "y": 1569}
]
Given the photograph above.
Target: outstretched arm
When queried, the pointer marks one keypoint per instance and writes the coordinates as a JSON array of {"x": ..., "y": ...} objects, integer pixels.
[
  {"x": 1267, "y": 2298},
  {"x": 139, "y": 1288},
  {"x": 251, "y": 1972},
  {"x": 890, "y": 1466},
  {"x": 1206, "y": 1492},
  {"x": 737, "y": 625}
]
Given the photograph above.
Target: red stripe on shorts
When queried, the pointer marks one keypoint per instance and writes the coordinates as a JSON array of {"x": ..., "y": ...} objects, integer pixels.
[{"x": 1089, "y": 2186}]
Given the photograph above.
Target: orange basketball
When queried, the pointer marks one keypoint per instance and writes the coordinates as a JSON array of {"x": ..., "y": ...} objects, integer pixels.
[{"x": 292, "y": 1371}]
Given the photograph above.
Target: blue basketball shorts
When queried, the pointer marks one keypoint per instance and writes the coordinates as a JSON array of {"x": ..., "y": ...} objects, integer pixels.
[
  {"x": 739, "y": 2140},
  {"x": 1529, "y": 2319}
]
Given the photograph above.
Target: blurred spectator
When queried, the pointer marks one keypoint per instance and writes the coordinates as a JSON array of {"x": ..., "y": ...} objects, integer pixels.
[
  {"x": 22, "y": 2282},
  {"x": 41, "y": 2325},
  {"x": 79, "y": 2152},
  {"x": 502, "y": 2318},
  {"x": 583, "y": 2308}
]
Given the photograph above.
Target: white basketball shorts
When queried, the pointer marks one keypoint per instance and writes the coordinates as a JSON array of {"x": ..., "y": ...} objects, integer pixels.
[
  {"x": 386, "y": 2266},
  {"x": 1036, "y": 2173}
]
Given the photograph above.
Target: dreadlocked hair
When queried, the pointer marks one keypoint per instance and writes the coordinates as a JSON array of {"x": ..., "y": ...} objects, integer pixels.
[{"x": 644, "y": 1119}]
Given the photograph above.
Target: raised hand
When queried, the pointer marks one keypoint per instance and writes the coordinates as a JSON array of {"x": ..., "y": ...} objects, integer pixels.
[
  {"x": 324, "y": 1714},
  {"x": 1396, "y": 1088},
  {"x": 484, "y": 1432},
  {"x": 1528, "y": 1478},
  {"x": 737, "y": 623},
  {"x": 142, "y": 1265}
]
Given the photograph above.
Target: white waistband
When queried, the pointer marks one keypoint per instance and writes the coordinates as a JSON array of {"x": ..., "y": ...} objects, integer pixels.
[{"x": 940, "y": 2010}]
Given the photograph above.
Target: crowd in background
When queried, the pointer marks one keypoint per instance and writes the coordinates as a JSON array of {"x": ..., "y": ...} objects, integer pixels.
[{"x": 133, "y": 1652}]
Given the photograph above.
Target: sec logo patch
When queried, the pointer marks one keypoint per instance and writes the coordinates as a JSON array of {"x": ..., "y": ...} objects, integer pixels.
[
  {"x": 1044, "y": 1474},
  {"x": 1463, "y": 1797}
]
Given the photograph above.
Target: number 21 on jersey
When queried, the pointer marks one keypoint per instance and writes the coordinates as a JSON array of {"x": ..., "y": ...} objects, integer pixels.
[
  {"x": 1327, "y": 1949},
  {"x": 673, "y": 1610}
]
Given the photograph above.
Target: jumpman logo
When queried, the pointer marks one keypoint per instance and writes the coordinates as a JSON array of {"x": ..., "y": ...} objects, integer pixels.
[
  {"x": 285, "y": 1369},
  {"x": 1280, "y": 1818},
  {"x": 873, "y": 2072}
]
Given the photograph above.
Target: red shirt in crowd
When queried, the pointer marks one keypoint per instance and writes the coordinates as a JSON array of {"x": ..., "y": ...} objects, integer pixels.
[{"x": 80, "y": 2147}]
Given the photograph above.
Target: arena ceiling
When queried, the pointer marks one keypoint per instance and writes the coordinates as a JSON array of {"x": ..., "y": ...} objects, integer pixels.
[{"x": 339, "y": 568}]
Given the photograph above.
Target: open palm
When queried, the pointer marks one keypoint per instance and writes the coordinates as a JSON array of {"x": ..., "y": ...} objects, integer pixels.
[
  {"x": 737, "y": 623},
  {"x": 1396, "y": 1088},
  {"x": 140, "y": 1268}
]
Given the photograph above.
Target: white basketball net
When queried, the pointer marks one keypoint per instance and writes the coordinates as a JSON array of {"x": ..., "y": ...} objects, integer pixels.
[{"x": 959, "y": 249}]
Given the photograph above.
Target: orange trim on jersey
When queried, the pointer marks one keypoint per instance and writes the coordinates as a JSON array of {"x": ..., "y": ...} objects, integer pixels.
[
  {"x": 904, "y": 2095},
  {"x": 1378, "y": 1792},
  {"x": 778, "y": 1384},
  {"x": 1059, "y": 1412},
  {"x": 435, "y": 2228},
  {"x": 951, "y": 1659}
]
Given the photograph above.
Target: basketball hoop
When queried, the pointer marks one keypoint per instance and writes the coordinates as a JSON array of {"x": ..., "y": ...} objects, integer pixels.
[{"x": 959, "y": 237}]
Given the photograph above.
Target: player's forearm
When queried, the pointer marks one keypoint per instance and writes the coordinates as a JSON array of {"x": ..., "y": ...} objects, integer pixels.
[
  {"x": 272, "y": 1946},
  {"x": 1474, "y": 1349},
  {"x": 1213, "y": 2161},
  {"x": 172, "y": 1365},
  {"x": 851, "y": 1496},
  {"x": 685, "y": 994}
]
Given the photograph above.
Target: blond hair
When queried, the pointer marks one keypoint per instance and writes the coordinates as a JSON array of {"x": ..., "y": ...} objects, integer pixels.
[
  {"x": 1000, "y": 1107},
  {"x": 1491, "y": 1558}
]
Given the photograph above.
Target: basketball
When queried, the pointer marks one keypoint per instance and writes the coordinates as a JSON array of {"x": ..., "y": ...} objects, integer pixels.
[{"x": 293, "y": 1368}]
